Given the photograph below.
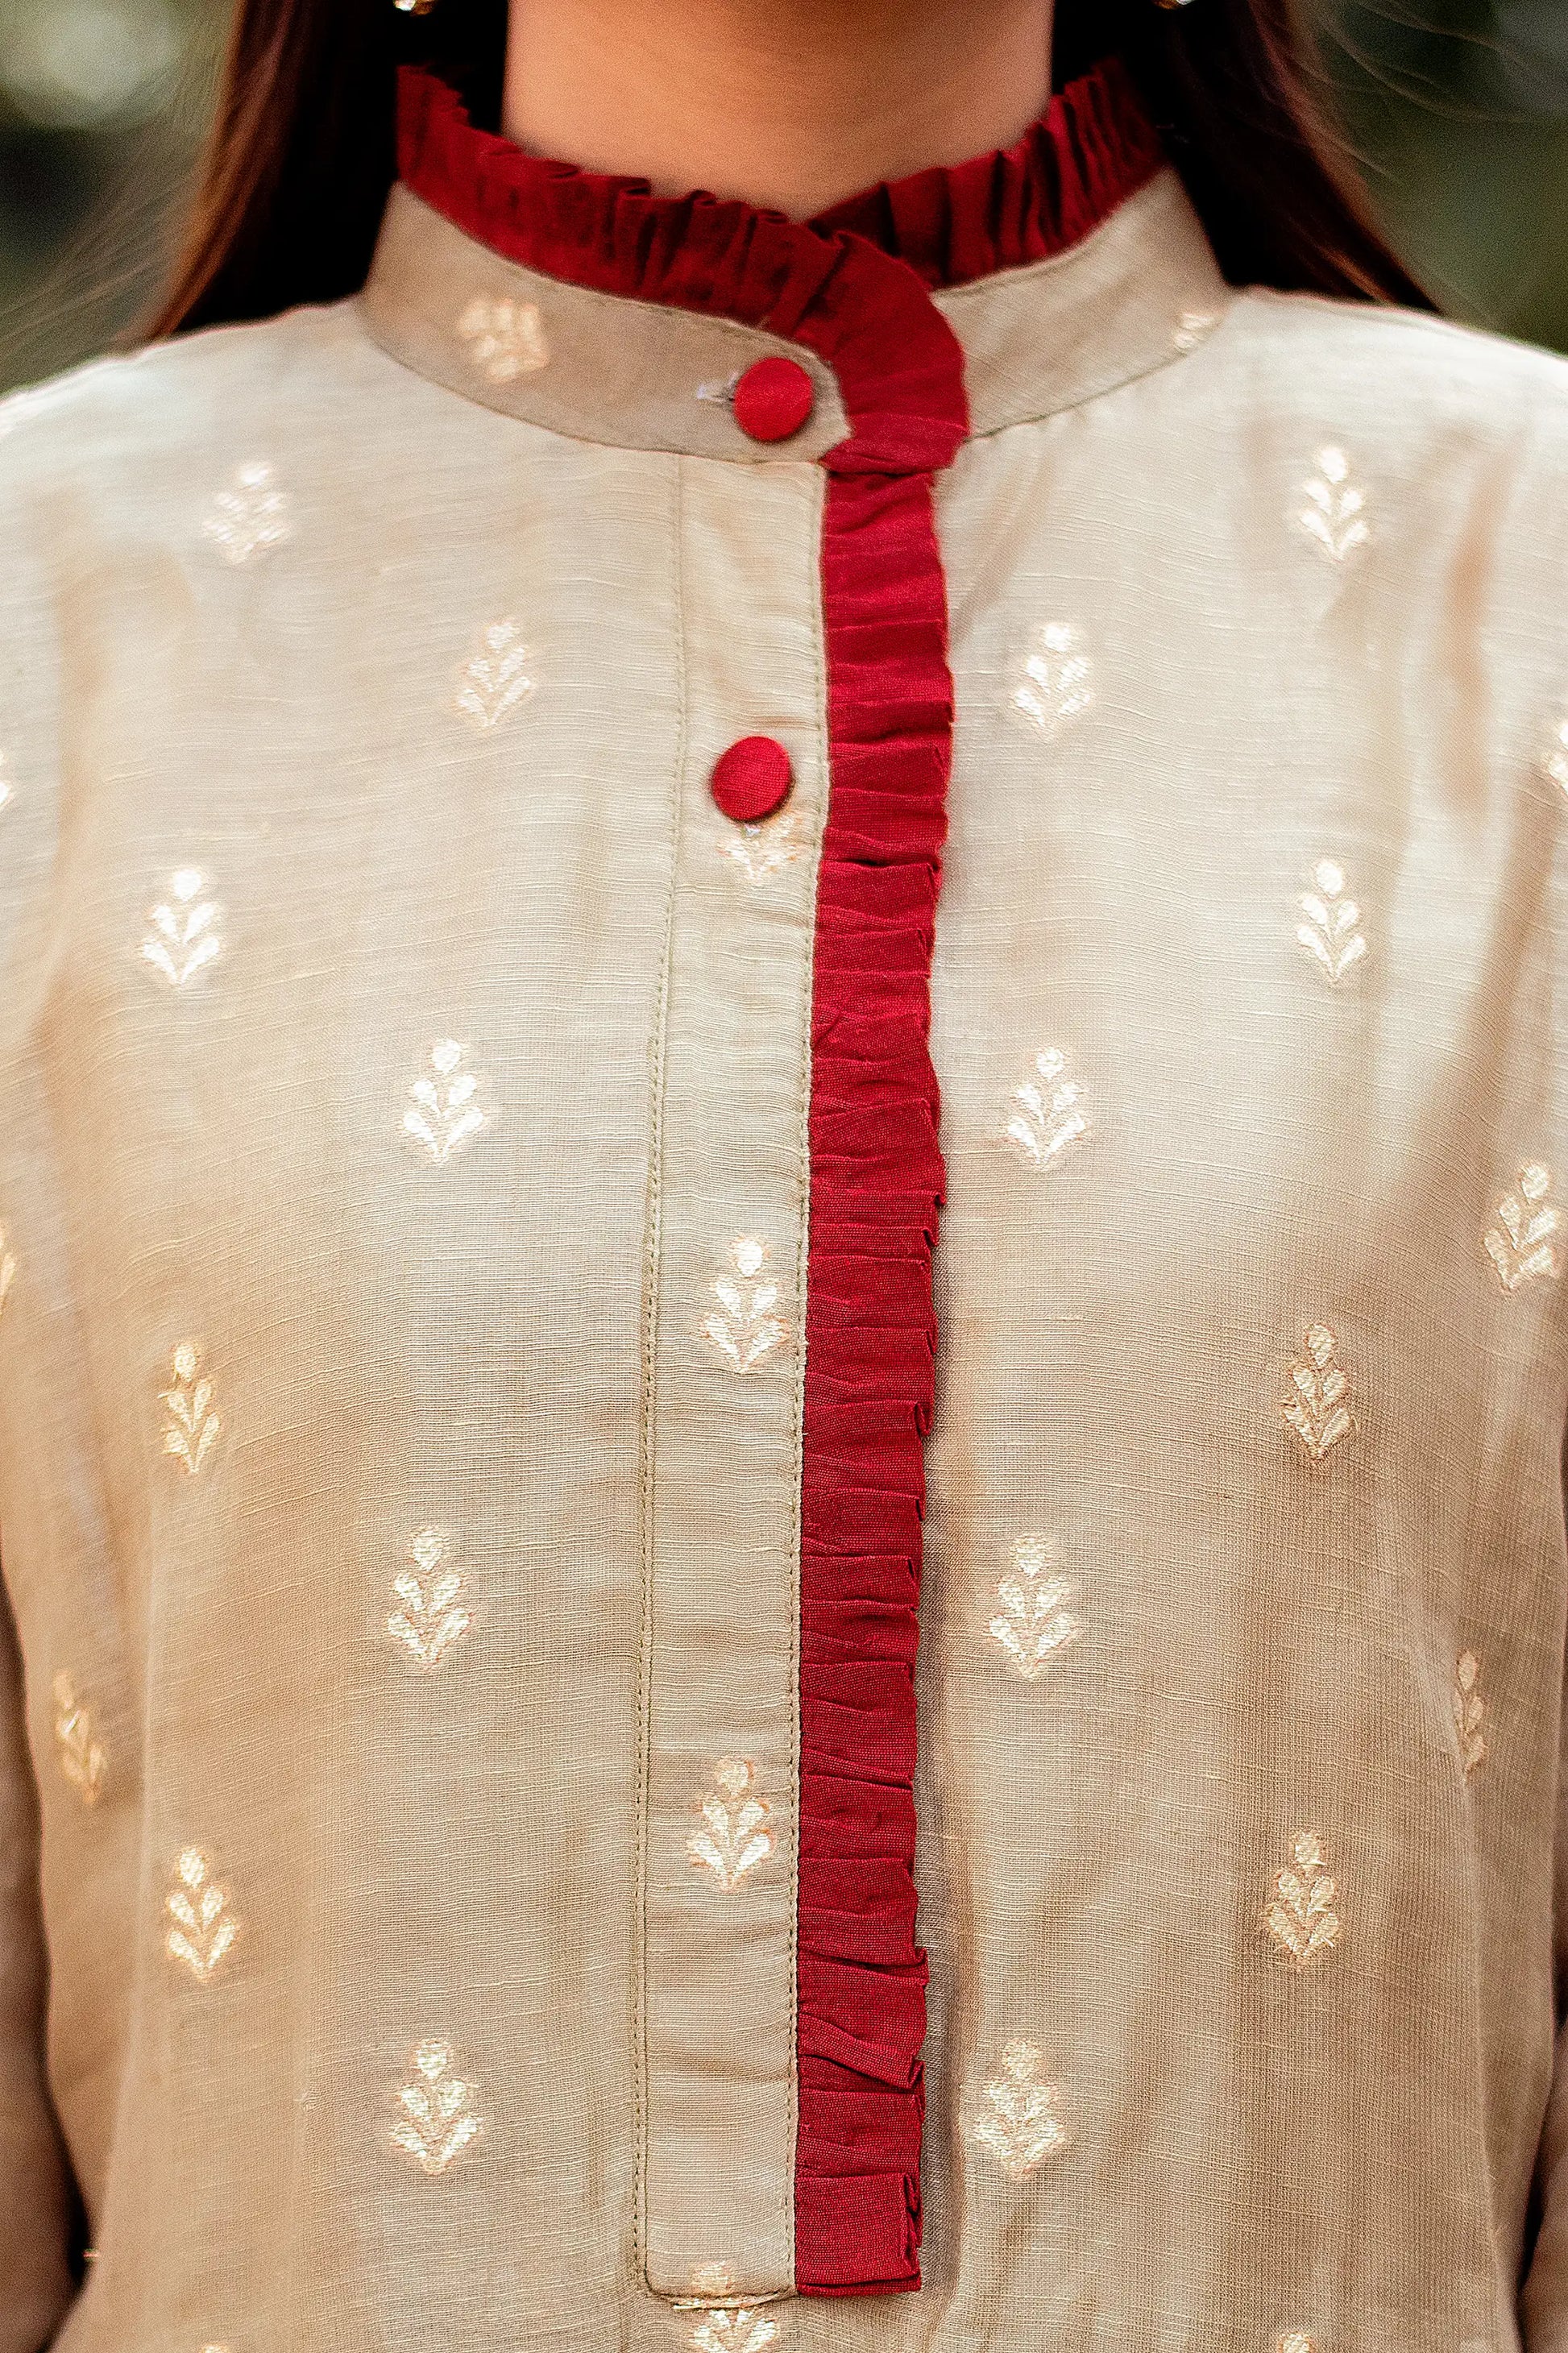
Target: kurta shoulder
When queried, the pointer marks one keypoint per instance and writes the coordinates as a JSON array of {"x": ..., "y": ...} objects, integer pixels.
[
  {"x": 137, "y": 495},
  {"x": 1414, "y": 452},
  {"x": 185, "y": 400},
  {"x": 1404, "y": 375}
]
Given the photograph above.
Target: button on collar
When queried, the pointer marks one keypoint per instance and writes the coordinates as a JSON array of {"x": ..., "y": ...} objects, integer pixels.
[
  {"x": 753, "y": 778},
  {"x": 773, "y": 398}
]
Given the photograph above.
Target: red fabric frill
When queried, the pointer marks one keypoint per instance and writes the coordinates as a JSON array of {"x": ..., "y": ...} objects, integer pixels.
[
  {"x": 852, "y": 288},
  {"x": 1093, "y": 148}
]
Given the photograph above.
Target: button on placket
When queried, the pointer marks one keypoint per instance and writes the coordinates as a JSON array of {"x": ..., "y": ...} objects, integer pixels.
[
  {"x": 752, "y": 779},
  {"x": 773, "y": 398}
]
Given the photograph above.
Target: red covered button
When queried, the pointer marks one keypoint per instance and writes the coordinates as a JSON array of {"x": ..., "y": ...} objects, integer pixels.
[
  {"x": 753, "y": 778},
  {"x": 774, "y": 399}
]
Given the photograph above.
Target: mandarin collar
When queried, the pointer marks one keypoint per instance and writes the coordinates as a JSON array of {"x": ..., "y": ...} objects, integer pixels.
[{"x": 957, "y": 302}]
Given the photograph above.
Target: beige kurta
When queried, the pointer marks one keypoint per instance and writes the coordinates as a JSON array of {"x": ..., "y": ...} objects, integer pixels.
[{"x": 403, "y": 1077}]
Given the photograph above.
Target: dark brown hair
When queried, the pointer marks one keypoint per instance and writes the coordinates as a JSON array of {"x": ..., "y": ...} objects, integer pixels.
[{"x": 301, "y": 153}]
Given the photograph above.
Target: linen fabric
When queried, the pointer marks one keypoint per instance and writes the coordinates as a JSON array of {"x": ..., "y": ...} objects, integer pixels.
[{"x": 480, "y": 1367}]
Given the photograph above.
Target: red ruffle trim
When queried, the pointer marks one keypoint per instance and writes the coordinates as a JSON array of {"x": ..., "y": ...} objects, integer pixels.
[
  {"x": 877, "y": 1177},
  {"x": 877, "y": 1184},
  {"x": 1093, "y": 148}
]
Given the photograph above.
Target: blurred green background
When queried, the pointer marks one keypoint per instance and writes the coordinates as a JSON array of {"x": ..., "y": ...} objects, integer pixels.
[{"x": 1459, "y": 109}]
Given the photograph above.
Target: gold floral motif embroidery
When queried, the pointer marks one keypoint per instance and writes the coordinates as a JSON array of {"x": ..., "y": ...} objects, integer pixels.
[
  {"x": 734, "y": 1837},
  {"x": 438, "y": 2120},
  {"x": 1047, "y": 1113},
  {"x": 725, "y": 2323},
  {"x": 1329, "y": 933},
  {"x": 182, "y": 938},
  {"x": 505, "y": 339},
  {"x": 742, "y": 2330},
  {"x": 193, "y": 1425},
  {"x": 763, "y": 849},
  {"x": 1192, "y": 328},
  {"x": 1057, "y": 681},
  {"x": 710, "y": 2283},
  {"x": 204, "y": 1927},
  {"x": 1035, "y": 1624},
  {"x": 1318, "y": 1411},
  {"x": 251, "y": 516},
  {"x": 1021, "y": 2127},
  {"x": 81, "y": 1755},
  {"x": 494, "y": 682},
  {"x": 1523, "y": 1244},
  {"x": 1335, "y": 514},
  {"x": 1469, "y": 1713},
  {"x": 1556, "y": 760},
  {"x": 7, "y": 1268},
  {"x": 1296, "y": 2340},
  {"x": 443, "y": 1110},
  {"x": 429, "y": 1617},
  {"x": 1301, "y": 1917},
  {"x": 747, "y": 1328}
]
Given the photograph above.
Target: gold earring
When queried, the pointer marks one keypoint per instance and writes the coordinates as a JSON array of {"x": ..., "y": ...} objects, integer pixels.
[{"x": 414, "y": 7}]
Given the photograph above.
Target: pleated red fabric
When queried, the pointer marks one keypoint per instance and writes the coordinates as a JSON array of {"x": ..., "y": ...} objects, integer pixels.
[
  {"x": 876, "y": 1190},
  {"x": 853, "y": 288}
]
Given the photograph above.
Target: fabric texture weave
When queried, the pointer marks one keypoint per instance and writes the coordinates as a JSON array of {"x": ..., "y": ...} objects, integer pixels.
[{"x": 529, "y": 1552}]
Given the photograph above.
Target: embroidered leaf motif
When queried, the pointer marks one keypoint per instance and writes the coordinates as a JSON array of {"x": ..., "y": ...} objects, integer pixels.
[
  {"x": 761, "y": 850},
  {"x": 443, "y": 1110},
  {"x": 182, "y": 938},
  {"x": 505, "y": 339},
  {"x": 250, "y": 517},
  {"x": 747, "y": 1328},
  {"x": 742, "y": 2331},
  {"x": 429, "y": 1617},
  {"x": 438, "y": 2120},
  {"x": 494, "y": 682},
  {"x": 1556, "y": 760},
  {"x": 1329, "y": 933},
  {"x": 1470, "y": 1712},
  {"x": 203, "y": 1929},
  {"x": 193, "y": 1425},
  {"x": 1334, "y": 513},
  {"x": 1021, "y": 2127},
  {"x": 732, "y": 2327},
  {"x": 1523, "y": 1245},
  {"x": 1035, "y": 1624},
  {"x": 711, "y": 2283},
  {"x": 1192, "y": 328},
  {"x": 1047, "y": 1113},
  {"x": 735, "y": 1836},
  {"x": 82, "y": 1758},
  {"x": 1301, "y": 1917},
  {"x": 1057, "y": 683},
  {"x": 1318, "y": 1410}
]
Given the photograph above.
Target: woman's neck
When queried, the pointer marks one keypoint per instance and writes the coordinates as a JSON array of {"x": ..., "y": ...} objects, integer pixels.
[{"x": 792, "y": 103}]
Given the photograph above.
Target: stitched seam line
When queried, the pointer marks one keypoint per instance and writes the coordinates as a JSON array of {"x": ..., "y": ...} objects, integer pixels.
[
  {"x": 646, "y": 1473},
  {"x": 802, "y": 1279}
]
